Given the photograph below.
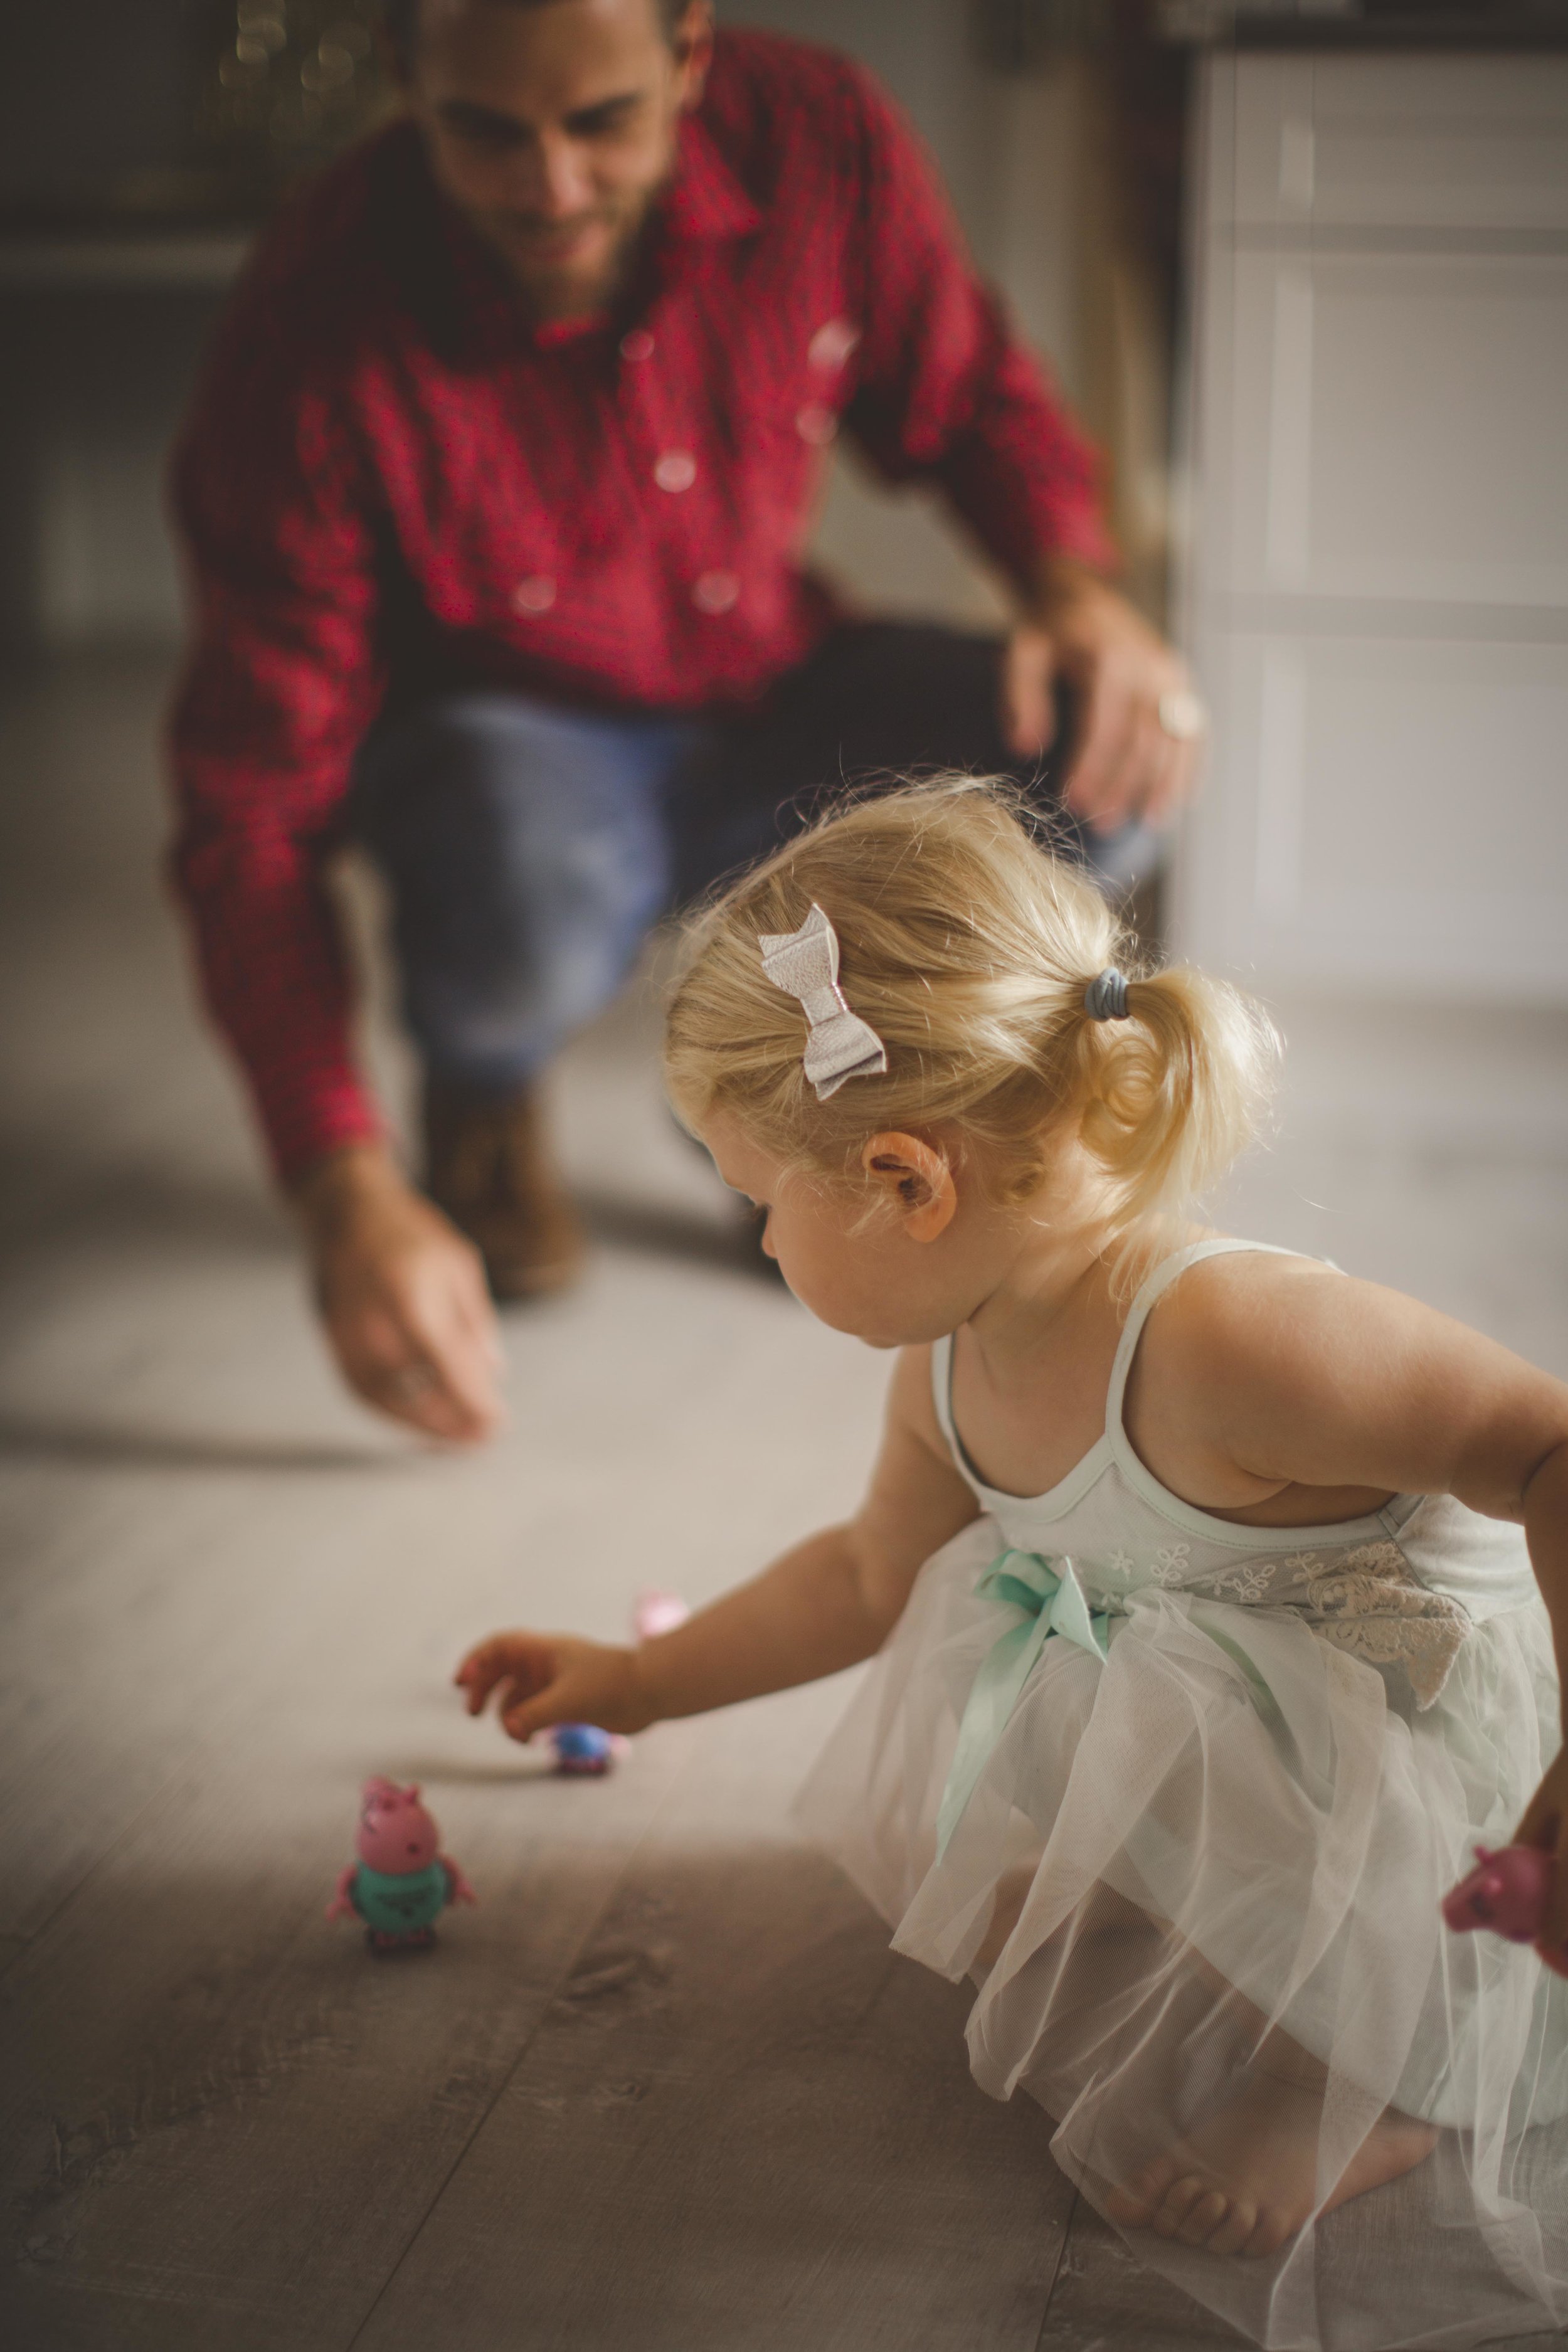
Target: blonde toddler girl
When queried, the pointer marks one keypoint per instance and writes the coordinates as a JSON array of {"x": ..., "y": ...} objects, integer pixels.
[{"x": 1196, "y": 1576}]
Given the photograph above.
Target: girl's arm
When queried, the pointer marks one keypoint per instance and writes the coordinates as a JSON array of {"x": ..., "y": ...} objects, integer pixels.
[
  {"x": 1275, "y": 1375},
  {"x": 827, "y": 1603}
]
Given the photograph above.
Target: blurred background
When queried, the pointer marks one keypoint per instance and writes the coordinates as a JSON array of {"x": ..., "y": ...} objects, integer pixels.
[{"x": 1303, "y": 268}]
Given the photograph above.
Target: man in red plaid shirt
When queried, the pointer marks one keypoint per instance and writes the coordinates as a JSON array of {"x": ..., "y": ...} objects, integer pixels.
[{"x": 495, "y": 491}]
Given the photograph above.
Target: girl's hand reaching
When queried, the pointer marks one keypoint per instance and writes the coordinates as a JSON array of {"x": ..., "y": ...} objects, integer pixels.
[
  {"x": 539, "y": 1679},
  {"x": 1545, "y": 1825}
]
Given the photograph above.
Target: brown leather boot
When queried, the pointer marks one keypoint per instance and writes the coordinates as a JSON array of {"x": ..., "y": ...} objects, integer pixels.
[{"x": 487, "y": 1166}]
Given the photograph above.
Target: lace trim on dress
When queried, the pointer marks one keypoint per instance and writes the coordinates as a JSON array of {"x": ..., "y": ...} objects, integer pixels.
[
  {"x": 1368, "y": 1602},
  {"x": 1365, "y": 1600}
]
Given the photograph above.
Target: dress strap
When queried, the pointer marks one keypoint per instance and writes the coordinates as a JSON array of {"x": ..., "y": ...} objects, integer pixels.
[
  {"x": 1153, "y": 1289},
  {"x": 942, "y": 1393}
]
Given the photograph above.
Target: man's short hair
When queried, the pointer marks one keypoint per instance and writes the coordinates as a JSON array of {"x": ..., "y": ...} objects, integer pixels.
[{"x": 401, "y": 19}]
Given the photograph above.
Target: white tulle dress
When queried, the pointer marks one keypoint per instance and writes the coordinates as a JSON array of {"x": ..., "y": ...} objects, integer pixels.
[{"x": 1243, "y": 1766}]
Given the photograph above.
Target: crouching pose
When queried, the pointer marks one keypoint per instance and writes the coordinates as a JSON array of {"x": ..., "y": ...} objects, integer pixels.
[{"x": 1199, "y": 1578}]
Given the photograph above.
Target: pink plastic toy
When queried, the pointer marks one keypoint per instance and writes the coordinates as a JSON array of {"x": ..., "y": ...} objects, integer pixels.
[
  {"x": 1507, "y": 1892},
  {"x": 658, "y": 1612},
  {"x": 402, "y": 1881}
]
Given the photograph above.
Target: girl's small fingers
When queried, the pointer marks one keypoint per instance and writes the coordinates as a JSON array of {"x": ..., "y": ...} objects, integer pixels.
[
  {"x": 511, "y": 1658},
  {"x": 522, "y": 1721},
  {"x": 484, "y": 1661}
]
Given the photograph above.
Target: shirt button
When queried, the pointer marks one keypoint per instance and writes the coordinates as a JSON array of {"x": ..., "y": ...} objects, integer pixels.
[
  {"x": 534, "y": 596},
  {"x": 676, "y": 470},
  {"x": 816, "y": 424},
  {"x": 832, "y": 344},
  {"x": 637, "y": 343},
  {"x": 716, "y": 591}
]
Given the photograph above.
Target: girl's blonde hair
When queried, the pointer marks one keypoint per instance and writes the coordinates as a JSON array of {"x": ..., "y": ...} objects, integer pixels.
[{"x": 967, "y": 947}]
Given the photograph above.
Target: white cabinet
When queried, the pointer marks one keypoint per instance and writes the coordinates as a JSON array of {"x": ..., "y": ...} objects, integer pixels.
[
  {"x": 1400, "y": 426},
  {"x": 1376, "y": 589},
  {"x": 1372, "y": 143}
]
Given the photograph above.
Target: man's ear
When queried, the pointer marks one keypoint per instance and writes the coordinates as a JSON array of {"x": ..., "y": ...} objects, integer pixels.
[
  {"x": 917, "y": 1179},
  {"x": 694, "y": 52}
]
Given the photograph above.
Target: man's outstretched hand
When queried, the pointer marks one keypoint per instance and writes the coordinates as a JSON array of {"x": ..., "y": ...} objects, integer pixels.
[
  {"x": 403, "y": 1298},
  {"x": 1126, "y": 763}
]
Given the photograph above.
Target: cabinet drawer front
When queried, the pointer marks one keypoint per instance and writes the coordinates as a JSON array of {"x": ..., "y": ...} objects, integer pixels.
[
  {"x": 1398, "y": 428},
  {"x": 1400, "y": 143},
  {"x": 1385, "y": 810}
]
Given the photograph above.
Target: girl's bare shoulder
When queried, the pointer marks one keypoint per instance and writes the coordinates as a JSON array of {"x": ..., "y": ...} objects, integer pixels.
[{"x": 1252, "y": 1319}]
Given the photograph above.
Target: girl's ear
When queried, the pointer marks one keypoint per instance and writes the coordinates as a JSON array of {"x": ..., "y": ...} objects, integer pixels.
[{"x": 918, "y": 1180}]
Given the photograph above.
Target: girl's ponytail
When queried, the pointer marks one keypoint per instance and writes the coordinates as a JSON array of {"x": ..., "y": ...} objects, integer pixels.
[{"x": 1173, "y": 1092}]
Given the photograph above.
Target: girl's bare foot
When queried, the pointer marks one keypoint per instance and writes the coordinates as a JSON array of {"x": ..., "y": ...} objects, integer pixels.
[{"x": 1244, "y": 2180}]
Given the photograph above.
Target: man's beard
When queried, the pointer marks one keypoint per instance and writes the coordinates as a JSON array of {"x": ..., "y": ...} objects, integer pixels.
[{"x": 556, "y": 287}]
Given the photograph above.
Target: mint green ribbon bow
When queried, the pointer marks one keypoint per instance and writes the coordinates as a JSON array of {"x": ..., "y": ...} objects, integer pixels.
[{"x": 1052, "y": 1601}]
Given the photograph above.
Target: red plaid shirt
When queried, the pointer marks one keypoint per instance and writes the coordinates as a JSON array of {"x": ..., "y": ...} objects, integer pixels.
[{"x": 391, "y": 483}]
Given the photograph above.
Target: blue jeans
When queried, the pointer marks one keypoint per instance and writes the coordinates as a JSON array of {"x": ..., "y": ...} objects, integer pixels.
[
  {"x": 531, "y": 848},
  {"x": 529, "y": 853}
]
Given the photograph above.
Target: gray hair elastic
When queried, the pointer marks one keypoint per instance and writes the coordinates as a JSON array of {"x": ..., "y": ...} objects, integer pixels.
[{"x": 1105, "y": 999}]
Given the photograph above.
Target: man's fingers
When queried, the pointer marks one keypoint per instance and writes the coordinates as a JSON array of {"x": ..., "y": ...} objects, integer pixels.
[
  {"x": 1174, "y": 781},
  {"x": 1130, "y": 776},
  {"x": 425, "y": 1359},
  {"x": 1142, "y": 770},
  {"x": 414, "y": 1390},
  {"x": 1102, "y": 746},
  {"x": 473, "y": 1312},
  {"x": 466, "y": 1348},
  {"x": 478, "y": 1319},
  {"x": 1129, "y": 766},
  {"x": 404, "y": 1297},
  {"x": 1028, "y": 705}
]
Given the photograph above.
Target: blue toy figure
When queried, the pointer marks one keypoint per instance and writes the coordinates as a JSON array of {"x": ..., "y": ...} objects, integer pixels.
[{"x": 582, "y": 1749}]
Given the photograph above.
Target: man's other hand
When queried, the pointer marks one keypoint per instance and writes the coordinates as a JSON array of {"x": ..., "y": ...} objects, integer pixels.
[
  {"x": 1130, "y": 688},
  {"x": 403, "y": 1298}
]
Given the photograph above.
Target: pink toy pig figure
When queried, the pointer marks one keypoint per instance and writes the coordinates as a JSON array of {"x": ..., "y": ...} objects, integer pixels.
[
  {"x": 402, "y": 1881},
  {"x": 1508, "y": 1892}
]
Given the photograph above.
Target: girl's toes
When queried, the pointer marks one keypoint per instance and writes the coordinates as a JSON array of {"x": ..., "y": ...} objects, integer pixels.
[
  {"x": 1203, "y": 2217},
  {"x": 1235, "y": 2230},
  {"x": 1136, "y": 2205},
  {"x": 1268, "y": 2236},
  {"x": 1179, "y": 2199}
]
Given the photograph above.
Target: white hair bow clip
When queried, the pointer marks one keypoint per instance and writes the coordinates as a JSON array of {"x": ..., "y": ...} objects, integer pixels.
[{"x": 805, "y": 964}]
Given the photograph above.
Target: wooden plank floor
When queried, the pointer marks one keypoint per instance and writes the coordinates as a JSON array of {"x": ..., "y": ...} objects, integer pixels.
[{"x": 666, "y": 2089}]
